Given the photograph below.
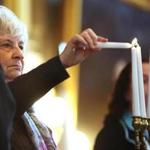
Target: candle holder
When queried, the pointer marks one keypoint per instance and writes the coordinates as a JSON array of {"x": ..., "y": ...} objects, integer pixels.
[
  {"x": 148, "y": 128},
  {"x": 137, "y": 123},
  {"x": 144, "y": 126},
  {"x": 140, "y": 125},
  {"x": 148, "y": 121}
]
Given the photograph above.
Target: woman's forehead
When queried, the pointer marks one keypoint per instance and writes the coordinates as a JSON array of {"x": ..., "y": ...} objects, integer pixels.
[{"x": 11, "y": 38}]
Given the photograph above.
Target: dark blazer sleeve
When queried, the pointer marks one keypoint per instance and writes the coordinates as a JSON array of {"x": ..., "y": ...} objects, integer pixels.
[
  {"x": 29, "y": 87},
  {"x": 7, "y": 111}
]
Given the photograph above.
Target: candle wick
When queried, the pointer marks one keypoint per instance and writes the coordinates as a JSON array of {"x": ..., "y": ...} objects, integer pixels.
[{"x": 135, "y": 43}]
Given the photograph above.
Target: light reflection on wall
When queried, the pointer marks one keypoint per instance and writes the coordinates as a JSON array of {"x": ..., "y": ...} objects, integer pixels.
[
  {"x": 32, "y": 59},
  {"x": 78, "y": 141},
  {"x": 54, "y": 112},
  {"x": 61, "y": 47}
]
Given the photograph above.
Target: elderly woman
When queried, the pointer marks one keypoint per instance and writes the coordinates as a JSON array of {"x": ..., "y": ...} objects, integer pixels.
[{"x": 28, "y": 132}]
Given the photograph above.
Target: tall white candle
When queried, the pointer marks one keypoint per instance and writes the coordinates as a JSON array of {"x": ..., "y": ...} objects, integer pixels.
[
  {"x": 141, "y": 84},
  {"x": 135, "y": 83},
  {"x": 148, "y": 101},
  {"x": 117, "y": 45}
]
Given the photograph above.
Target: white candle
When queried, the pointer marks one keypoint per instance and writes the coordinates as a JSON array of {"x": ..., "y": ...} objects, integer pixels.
[
  {"x": 141, "y": 84},
  {"x": 121, "y": 45},
  {"x": 135, "y": 84},
  {"x": 148, "y": 101}
]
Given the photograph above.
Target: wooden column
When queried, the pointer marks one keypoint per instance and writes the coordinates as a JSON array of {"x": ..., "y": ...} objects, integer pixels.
[{"x": 71, "y": 24}]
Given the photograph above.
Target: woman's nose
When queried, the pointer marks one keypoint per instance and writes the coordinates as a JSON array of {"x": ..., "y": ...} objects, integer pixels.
[{"x": 18, "y": 53}]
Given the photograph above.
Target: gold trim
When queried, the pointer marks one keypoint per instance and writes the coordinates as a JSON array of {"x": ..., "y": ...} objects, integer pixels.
[{"x": 141, "y": 4}]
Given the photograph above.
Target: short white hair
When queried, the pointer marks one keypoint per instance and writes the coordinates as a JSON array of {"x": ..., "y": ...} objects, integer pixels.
[{"x": 12, "y": 25}]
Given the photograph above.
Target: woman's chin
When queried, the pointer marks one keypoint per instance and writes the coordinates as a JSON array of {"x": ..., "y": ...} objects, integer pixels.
[{"x": 13, "y": 75}]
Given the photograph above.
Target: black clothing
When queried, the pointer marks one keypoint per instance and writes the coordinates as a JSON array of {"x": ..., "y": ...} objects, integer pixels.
[
  {"x": 7, "y": 111},
  {"x": 112, "y": 136}
]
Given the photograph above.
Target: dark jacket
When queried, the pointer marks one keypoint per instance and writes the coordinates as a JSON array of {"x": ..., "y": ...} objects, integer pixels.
[
  {"x": 112, "y": 136},
  {"x": 26, "y": 90},
  {"x": 7, "y": 111}
]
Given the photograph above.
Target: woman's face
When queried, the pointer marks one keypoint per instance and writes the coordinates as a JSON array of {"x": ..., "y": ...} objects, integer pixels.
[{"x": 11, "y": 56}]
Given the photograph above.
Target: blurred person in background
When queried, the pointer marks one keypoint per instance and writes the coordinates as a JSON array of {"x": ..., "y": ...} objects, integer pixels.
[{"x": 118, "y": 132}]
